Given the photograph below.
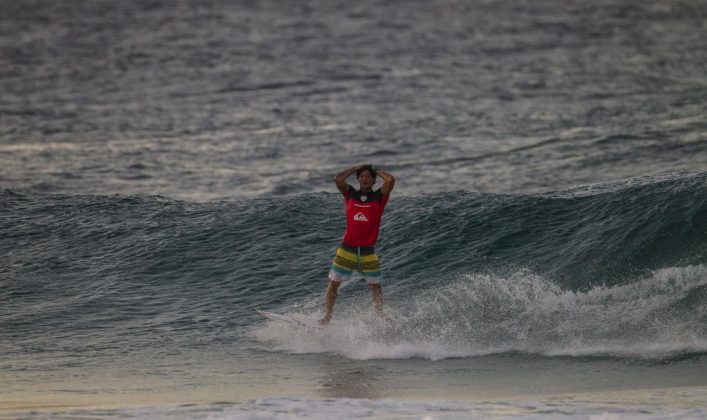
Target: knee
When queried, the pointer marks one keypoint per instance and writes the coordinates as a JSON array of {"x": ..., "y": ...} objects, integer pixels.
[{"x": 333, "y": 288}]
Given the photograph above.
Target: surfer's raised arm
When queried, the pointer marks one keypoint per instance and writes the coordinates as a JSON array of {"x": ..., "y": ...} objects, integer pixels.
[
  {"x": 388, "y": 181},
  {"x": 341, "y": 178}
]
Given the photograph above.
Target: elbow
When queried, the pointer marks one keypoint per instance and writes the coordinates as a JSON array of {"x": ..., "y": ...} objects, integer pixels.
[{"x": 388, "y": 185}]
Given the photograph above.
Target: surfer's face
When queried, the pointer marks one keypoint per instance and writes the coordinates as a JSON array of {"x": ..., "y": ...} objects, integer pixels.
[{"x": 366, "y": 180}]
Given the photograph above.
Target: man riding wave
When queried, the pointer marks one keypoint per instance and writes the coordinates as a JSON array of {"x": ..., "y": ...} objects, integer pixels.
[{"x": 364, "y": 210}]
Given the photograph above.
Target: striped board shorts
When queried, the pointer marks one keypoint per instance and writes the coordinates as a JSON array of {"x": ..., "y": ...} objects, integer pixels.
[{"x": 362, "y": 259}]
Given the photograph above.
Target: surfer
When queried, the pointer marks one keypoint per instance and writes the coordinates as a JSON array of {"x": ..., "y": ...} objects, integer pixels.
[{"x": 364, "y": 210}]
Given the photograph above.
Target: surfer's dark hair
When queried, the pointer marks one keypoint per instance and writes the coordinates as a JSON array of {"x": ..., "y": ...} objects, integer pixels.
[{"x": 368, "y": 168}]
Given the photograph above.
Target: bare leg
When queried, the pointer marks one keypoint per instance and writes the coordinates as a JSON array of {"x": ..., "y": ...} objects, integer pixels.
[
  {"x": 377, "y": 295},
  {"x": 331, "y": 293}
]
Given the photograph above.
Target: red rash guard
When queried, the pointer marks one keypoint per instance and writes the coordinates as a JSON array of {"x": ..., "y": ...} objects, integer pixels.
[{"x": 363, "y": 217}]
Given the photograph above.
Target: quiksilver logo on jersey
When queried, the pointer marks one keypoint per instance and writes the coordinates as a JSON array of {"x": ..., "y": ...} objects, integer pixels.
[{"x": 360, "y": 217}]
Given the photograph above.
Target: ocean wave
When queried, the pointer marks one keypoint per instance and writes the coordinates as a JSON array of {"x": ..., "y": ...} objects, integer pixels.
[{"x": 140, "y": 267}]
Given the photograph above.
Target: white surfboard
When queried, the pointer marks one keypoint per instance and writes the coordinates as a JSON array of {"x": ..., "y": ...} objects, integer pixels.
[{"x": 290, "y": 320}]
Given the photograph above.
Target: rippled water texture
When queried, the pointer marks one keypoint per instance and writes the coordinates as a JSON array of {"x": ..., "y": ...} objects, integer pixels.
[
  {"x": 204, "y": 100},
  {"x": 166, "y": 168}
]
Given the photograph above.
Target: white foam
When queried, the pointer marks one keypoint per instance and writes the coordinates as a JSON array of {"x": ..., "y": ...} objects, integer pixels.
[{"x": 483, "y": 314}]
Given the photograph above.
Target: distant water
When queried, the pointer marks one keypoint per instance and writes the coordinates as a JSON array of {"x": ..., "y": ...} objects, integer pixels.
[
  {"x": 166, "y": 168},
  {"x": 208, "y": 100}
]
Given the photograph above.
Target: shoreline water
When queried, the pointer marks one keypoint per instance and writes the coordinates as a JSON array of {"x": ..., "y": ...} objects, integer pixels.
[
  {"x": 631, "y": 401},
  {"x": 480, "y": 383}
]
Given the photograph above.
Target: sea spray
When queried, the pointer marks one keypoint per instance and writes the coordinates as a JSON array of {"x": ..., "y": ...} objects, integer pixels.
[{"x": 657, "y": 317}]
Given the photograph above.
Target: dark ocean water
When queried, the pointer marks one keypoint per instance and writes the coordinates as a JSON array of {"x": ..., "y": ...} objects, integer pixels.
[
  {"x": 615, "y": 269},
  {"x": 166, "y": 168},
  {"x": 208, "y": 100}
]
